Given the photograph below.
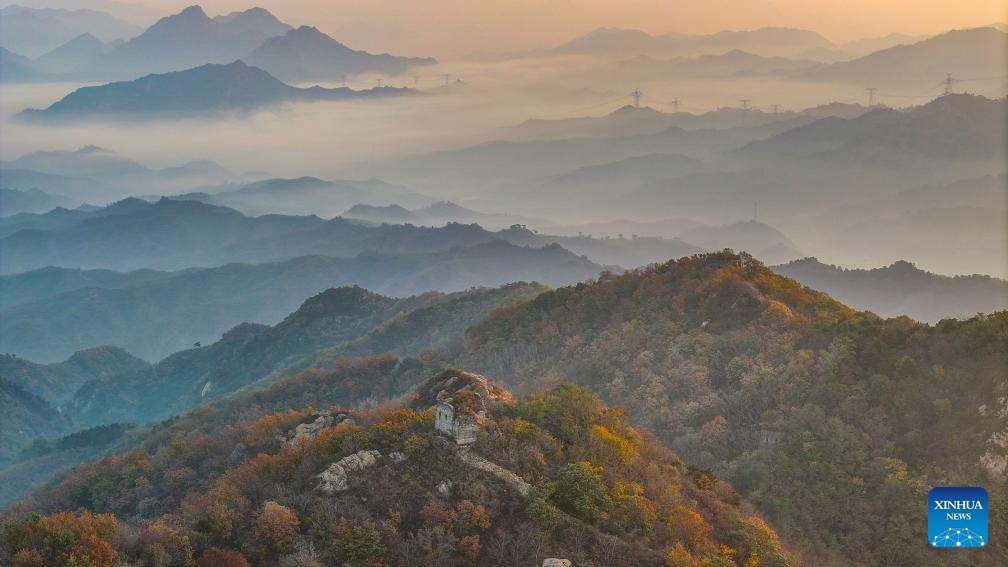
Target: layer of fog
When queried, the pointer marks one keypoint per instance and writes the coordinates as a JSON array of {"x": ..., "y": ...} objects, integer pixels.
[
  {"x": 321, "y": 139},
  {"x": 479, "y": 103}
]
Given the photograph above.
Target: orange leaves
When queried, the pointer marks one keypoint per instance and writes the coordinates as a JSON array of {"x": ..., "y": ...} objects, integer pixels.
[
  {"x": 63, "y": 539},
  {"x": 266, "y": 429},
  {"x": 276, "y": 527}
]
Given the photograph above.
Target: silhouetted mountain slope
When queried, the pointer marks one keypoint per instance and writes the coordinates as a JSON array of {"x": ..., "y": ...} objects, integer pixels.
[
  {"x": 16, "y": 68},
  {"x": 782, "y": 390},
  {"x": 13, "y": 201},
  {"x": 169, "y": 234},
  {"x": 173, "y": 234},
  {"x": 189, "y": 39},
  {"x": 978, "y": 53},
  {"x": 35, "y": 31},
  {"x": 249, "y": 352},
  {"x": 26, "y": 180},
  {"x": 102, "y": 175},
  {"x": 153, "y": 314},
  {"x": 604, "y": 484},
  {"x": 74, "y": 56},
  {"x": 902, "y": 289},
  {"x": 60, "y": 218},
  {"x": 870, "y": 45},
  {"x": 305, "y": 195},
  {"x": 954, "y": 126},
  {"x": 768, "y": 41},
  {"x": 24, "y": 417},
  {"x": 58, "y": 382},
  {"x": 499, "y": 168},
  {"x": 437, "y": 214},
  {"x": 440, "y": 325},
  {"x": 306, "y": 54},
  {"x": 733, "y": 64},
  {"x": 204, "y": 89},
  {"x": 631, "y": 121}
]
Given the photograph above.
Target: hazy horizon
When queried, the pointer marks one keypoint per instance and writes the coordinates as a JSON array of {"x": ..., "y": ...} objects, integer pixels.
[{"x": 449, "y": 28}]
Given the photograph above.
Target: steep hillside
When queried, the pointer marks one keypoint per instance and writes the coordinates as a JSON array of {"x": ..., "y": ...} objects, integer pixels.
[
  {"x": 306, "y": 54},
  {"x": 954, "y": 127},
  {"x": 153, "y": 314},
  {"x": 58, "y": 382},
  {"x": 902, "y": 289},
  {"x": 188, "y": 39},
  {"x": 823, "y": 416},
  {"x": 25, "y": 417},
  {"x": 977, "y": 53},
  {"x": 438, "y": 326},
  {"x": 185, "y": 379},
  {"x": 349, "y": 320},
  {"x": 34, "y": 31},
  {"x": 557, "y": 475}
]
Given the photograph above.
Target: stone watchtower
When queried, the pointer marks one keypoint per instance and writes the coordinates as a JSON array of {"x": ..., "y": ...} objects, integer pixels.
[{"x": 456, "y": 422}]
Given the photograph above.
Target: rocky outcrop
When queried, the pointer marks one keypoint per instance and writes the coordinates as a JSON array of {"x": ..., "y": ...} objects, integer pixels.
[
  {"x": 336, "y": 478},
  {"x": 551, "y": 562},
  {"x": 305, "y": 432},
  {"x": 511, "y": 479}
]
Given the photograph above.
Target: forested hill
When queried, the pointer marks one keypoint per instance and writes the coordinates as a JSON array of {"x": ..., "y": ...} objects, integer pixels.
[
  {"x": 555, "y": 475},
  {"x": 821, "y": 415},
  {"x": 817, "y": 414}
]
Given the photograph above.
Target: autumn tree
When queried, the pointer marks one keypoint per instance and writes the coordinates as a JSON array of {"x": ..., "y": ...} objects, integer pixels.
[{"x": 276, "y": 527}]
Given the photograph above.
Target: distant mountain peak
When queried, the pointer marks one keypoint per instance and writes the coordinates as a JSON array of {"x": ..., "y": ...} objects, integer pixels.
[
  {"x": 93, "y": 149},
  {"x": 631, "y": 109},
  {"x": 194, "y": 11},
  {"x": 257, "y": 18}
]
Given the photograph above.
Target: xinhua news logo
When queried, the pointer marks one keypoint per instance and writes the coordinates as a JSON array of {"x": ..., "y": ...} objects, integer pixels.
[{"x": 957, "y": 517}]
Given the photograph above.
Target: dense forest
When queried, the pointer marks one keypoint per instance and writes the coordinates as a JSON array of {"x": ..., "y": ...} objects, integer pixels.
[
  {"x": 598, "y": 492},
  {"x": 818, "y": 415},
  {"x": 821, "y": 415}
]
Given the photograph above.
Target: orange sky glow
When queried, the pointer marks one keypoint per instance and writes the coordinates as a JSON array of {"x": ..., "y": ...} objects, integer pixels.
[{"x": 456, "y": 27}]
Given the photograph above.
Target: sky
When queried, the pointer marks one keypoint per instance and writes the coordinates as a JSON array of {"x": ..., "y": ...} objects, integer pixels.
[{"x": 457, "y": 27}]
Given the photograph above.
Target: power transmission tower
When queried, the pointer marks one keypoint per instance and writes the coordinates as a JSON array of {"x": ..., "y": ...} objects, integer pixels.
[
  {"x": 636, "y": 94},
  {"x": 948, "y": 83},
  {"x": 745, "y": 109},
  {"x": 775, "y": 108},
  {"x": 446, "y": 78},
  {"x": 378, "y": 82},
  {"x": 343, "y": 79},
  {"x": 675, "y": 104},
  {"x": 871, "y": 96},
  {"x": 416, "y": 81}
]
